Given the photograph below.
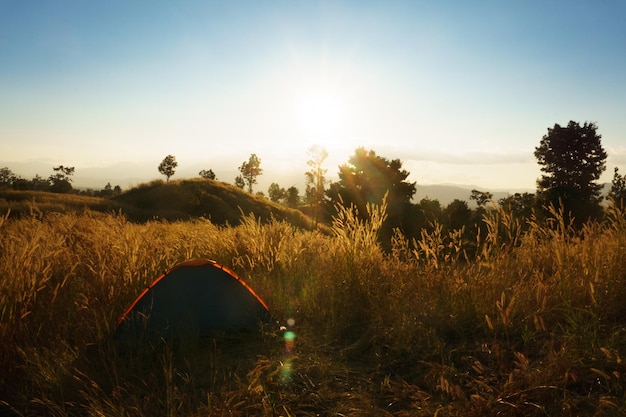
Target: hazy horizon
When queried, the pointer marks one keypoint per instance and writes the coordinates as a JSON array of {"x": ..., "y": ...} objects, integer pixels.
[
  {"x": 461, "y": 92},
  {"x": 129, "y": 174}
]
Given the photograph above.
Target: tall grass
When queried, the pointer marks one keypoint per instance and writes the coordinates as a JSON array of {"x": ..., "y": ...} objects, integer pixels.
[{"x": 511, "y": 324}]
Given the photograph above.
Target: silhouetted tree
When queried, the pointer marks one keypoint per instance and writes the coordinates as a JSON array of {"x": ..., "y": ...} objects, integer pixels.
[
  {"x": 293, "y": 196},
  {"x": 618, "y": 188},
  {"x": 366, "y": 178},
  {"x": 107, "y": 191},
  {"x": 239, "y": 182},
  {"x": 20, "y": 183},
  {"x": 481, "y": 197},
  {"x": 168, "y": 166},
  {"x": 250, "y": 170},
  {"x": 276, "y": 193},
  {"x": 61, "y": 180},
  {"x": 207, "y": 174},
  {"x": 316, "y": 180},
  {"x": 572, "y": 159},
  {"x": 520, "y": 205},
  {"x": 423, "y": 215},
  {"x": 431, "y": 212},
  {"x": 457, "y": 214},
  {"x": 40, "y": 184},
  {"x": 6, "y": 177}
]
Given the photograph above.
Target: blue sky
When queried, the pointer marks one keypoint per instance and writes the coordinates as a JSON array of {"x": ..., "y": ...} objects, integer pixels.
[{"x": 460, "y": 91}]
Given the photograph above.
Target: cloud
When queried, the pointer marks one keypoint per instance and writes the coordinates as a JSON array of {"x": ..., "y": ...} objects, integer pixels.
[
  {"x": 467, "y": 156},
  {"x": 617, "y": 155}
]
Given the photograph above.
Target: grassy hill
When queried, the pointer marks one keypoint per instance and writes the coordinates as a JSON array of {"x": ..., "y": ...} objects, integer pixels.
[
  {"x": 175, "y": 200},
  {"x": 220, "y": 202}
]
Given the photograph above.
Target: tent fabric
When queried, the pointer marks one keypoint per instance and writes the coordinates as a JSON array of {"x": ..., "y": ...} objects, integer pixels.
[{"x": 196, "y": 297}]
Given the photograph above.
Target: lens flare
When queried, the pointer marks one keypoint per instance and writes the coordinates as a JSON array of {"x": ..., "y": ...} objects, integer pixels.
[
  {"x": 290, "y": 338},
  {"x": 286, "y": 369}
]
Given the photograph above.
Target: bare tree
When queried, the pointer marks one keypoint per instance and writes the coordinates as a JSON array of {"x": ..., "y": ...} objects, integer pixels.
[{"x": 316, "y": 179}]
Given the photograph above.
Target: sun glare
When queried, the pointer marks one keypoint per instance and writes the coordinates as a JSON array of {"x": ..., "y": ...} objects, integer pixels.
[{"x": 321, "y": 116}]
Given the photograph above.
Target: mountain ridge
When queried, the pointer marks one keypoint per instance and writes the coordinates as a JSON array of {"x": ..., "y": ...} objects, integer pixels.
[{"x": 445, "y": 193}]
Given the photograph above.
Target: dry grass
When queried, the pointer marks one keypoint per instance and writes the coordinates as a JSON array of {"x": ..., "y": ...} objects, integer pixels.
[
  {"x": 24, "y": 203},
  {"x": 533, "y": 324}
]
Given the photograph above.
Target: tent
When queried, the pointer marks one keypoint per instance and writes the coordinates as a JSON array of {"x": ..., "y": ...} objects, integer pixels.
[{"x": 198, "y": 297}]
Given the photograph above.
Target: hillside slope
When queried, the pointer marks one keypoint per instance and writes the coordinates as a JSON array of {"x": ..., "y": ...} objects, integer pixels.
[
  {"x": 21, "y": 203},
  {"x": 219, "y": 202},
  {"x": 222, "y": 203}
]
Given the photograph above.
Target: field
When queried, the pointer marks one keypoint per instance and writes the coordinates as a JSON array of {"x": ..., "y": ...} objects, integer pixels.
[{"x": 532, "y": 325}]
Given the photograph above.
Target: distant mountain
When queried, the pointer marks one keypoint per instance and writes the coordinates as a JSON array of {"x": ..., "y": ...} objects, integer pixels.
[
  {"x": 446, "y": 193},
  {"x": 124, "y": 174}
]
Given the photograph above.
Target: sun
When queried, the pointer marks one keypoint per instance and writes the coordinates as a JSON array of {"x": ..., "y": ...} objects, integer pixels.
[{"x": 320, "y": 115}]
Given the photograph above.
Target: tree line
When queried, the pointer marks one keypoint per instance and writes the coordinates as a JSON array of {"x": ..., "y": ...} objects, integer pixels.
[
  {"x": 60, "y": 181},
  {"x": 571, "y": 159}
]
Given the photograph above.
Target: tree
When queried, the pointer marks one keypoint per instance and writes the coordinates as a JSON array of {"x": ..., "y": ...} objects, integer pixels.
[
  {"x": 293, "y": 197},
  {"x": 168, "y": 166},
  {"x": 481, "y": 197},
  {"x": 428, "y": 213},
  {"x": 618, "y": 188},
  {"x": 40, "y": 184},
  {"x": 20, "y": 183},
  {"x": 107, "y": 191},
  {"x": 276, "y": 193},
  {"x": 520, "y": 205},
  {"x": 250, "y": 170},
  {"x": 367, "y": 178},
  {"x": 316, "y": 180},
  {"x": 239, "y": 182},
  {"x": 458, "y": 214},
  {"x": 209, "y": 175},
  {"x": 572, "y": 159},
  {"x": 61, "y": 180},
  {"x": 6, "y": 177}
]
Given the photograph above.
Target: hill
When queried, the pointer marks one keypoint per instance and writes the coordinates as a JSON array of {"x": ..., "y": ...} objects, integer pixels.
[{"x": 220, "y": 202}]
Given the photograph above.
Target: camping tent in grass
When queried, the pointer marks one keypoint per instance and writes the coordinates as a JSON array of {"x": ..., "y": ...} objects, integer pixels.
[{"x": 198, "y": 297}]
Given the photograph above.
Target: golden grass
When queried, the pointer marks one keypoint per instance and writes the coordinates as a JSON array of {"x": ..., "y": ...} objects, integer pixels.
[
  {"x": 40, "y": 202},
  {"x": 530, "y": 324}
]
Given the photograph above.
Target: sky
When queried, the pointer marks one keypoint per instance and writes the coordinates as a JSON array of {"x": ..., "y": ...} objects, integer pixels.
[{"x": 461, "y": 92}]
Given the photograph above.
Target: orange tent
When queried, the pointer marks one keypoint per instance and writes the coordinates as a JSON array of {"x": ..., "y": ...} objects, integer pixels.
[{"x": 196, "y": 297}]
